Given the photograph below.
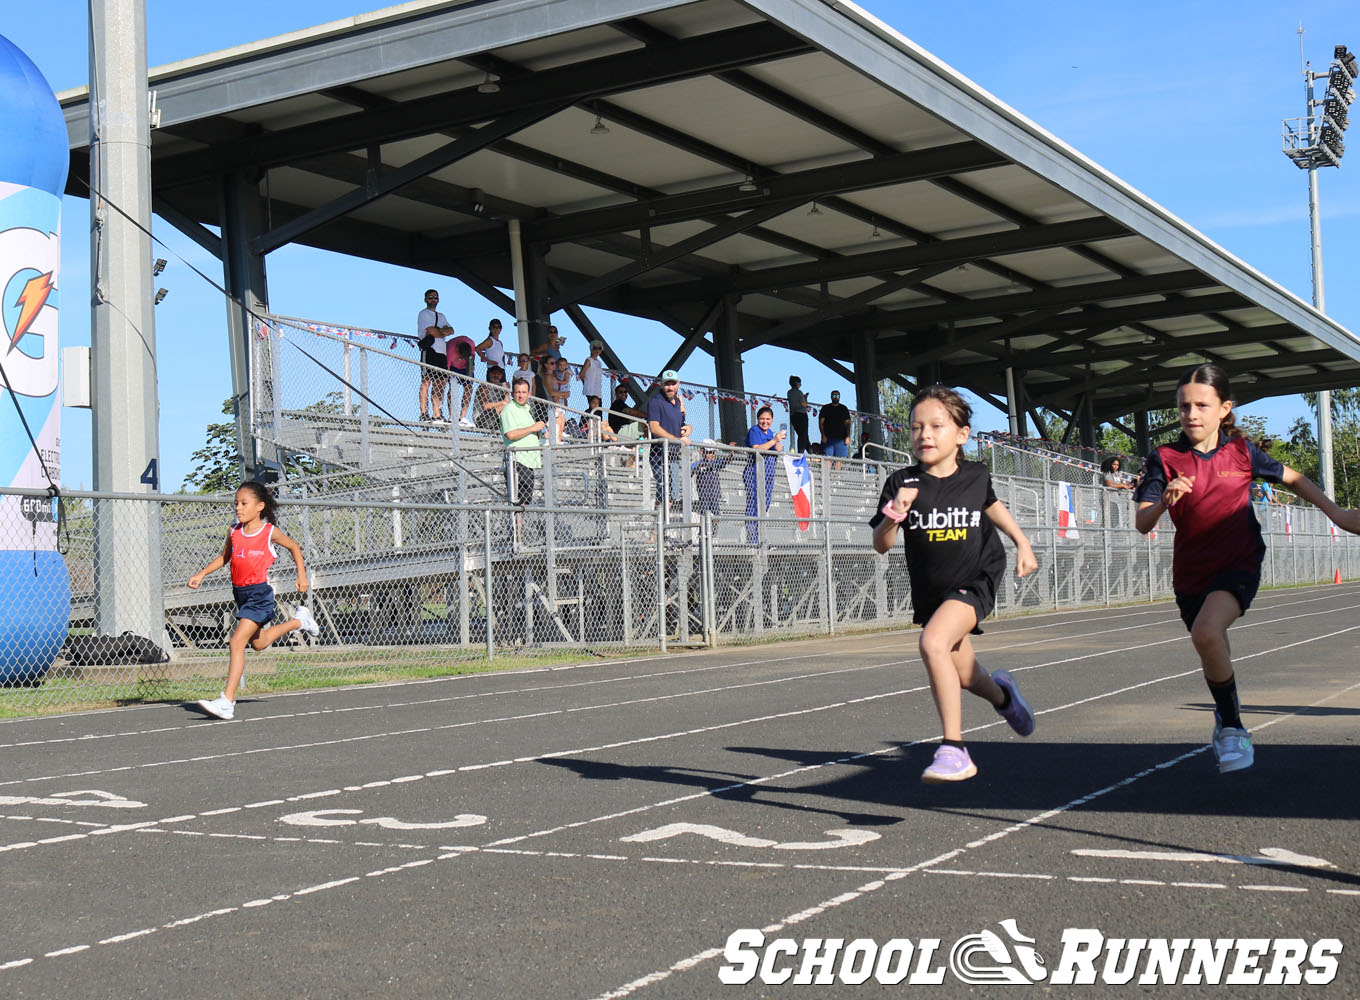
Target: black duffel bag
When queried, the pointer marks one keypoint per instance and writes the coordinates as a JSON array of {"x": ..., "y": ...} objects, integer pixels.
[{"x": 112, "y": 650}]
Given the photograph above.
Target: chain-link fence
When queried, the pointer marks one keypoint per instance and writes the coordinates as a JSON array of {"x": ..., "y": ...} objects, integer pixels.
[{"x": 416, "y": 585}]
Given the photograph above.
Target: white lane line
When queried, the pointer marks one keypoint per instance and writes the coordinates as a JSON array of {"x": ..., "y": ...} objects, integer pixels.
[
  {"x": 701, "y": 957},
  {"x": 1036, "y": 820},
  {"x": 750, "y": 721},
  {"x": 1051, "y": 619}
]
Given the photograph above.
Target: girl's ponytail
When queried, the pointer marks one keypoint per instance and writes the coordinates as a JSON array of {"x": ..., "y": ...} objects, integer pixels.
[{"x": 1217, "y": 379}]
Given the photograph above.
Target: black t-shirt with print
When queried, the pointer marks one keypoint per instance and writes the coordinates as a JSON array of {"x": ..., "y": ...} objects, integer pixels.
[{"x": 949, "y": 541}]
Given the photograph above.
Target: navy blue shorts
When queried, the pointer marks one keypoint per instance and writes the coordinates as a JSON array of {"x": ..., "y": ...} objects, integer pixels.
[
  {"x": 255, "y": 602},
  {"x": 1241, "y": 583}
]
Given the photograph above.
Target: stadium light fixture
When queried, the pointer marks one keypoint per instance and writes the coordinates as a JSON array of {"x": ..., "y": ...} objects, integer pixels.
[
  {"x": 161, "y": 293},
  {"x": 158, "y": 266},
  {"x": 1313, "y": 141}
]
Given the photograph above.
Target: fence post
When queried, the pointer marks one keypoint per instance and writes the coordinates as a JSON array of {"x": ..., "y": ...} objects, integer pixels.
[
  {"x": 487, "y": 586},
  {"x": 830, "y": 579},
  {"x": 626, "y": 582},
  {"x": 363, "y": 406},
  {"x": 661, "y": 574}
]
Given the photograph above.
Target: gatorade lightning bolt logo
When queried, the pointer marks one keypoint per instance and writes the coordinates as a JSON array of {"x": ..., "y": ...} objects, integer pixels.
[{"x": 30, "y": 302}]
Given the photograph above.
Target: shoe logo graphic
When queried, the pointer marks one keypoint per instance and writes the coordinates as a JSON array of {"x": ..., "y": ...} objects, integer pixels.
[{"x": 1020, "y": 964}]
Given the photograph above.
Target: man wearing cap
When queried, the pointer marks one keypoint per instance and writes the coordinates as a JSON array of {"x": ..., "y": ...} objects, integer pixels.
[
  {"x": 798, "y": 412},
  {"x": 666, "y": 422},
  {"x": 834, "y": 423}
]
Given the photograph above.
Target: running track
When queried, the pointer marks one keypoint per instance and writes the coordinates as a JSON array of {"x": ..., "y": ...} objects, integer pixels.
[{"x": 599, "y": 831}]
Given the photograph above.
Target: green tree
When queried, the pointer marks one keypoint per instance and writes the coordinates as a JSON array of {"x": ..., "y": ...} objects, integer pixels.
[{"x": 217, "y": 465}]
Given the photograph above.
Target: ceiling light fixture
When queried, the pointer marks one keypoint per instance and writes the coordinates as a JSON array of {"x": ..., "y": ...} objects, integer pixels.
[
  {"x": 747, "y": 185},
  {"x": 600, "y": 128},
  {"x": 814, "y": 210},
  {"x": 489, "y": 85}
]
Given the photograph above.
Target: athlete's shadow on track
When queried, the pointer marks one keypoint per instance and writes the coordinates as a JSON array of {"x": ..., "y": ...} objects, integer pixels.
[
  {"x": 1019, "y": 779},
  {"x": 867, "y": 784}
]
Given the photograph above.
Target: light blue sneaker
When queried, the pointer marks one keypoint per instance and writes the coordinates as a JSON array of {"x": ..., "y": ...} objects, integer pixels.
[
  {"x": 950, "y": 764},
  {"x": 1018, "y": 712},
  {"x": 1232, "y": 748}
]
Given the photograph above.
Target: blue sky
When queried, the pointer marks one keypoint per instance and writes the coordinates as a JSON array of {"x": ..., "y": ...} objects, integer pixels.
[{"x": 1181, "y": 100}]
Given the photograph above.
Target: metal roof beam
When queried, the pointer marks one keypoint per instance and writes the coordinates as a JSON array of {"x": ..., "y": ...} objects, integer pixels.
[
  {"x": 691, "y": 57},
  {"x": 787, "y": 190},
  {"x": 661, "y": 256},
  {"x": 957, "y": 251},
  {"x": 1075, "y": 295},
  {"x": 377, "y": 185},
  {"x": 840, "y": 307}
]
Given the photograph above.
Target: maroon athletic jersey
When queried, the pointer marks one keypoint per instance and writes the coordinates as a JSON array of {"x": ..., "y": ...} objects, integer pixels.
[{"x": 1216, "y": 531}]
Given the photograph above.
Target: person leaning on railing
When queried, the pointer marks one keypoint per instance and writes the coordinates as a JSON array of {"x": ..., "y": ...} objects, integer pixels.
[{"x": 491, "y": 399}]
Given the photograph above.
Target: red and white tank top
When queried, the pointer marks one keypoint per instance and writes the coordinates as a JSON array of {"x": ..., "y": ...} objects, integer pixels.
[{"x": 251, "y": 555}]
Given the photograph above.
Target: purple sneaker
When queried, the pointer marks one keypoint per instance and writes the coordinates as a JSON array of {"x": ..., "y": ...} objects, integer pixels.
[
  {"x": 1018, "y": 713},
  {"x": 950, "y": 764}
]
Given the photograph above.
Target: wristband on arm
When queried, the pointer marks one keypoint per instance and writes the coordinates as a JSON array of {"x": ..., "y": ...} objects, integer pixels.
[{"x": 892, "y": 514}]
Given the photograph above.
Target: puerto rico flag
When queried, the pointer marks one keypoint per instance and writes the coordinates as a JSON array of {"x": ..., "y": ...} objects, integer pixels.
[
  {"x": 800, "y": 487},
  {"x": 1066, "y": 512}
]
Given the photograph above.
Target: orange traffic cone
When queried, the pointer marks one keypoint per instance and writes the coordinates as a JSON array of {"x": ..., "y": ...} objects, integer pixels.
[{"x": 1337, "y": 578}]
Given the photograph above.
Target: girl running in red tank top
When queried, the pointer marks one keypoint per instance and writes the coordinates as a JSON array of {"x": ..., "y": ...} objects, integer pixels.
[{"x": 249, "y": 551}]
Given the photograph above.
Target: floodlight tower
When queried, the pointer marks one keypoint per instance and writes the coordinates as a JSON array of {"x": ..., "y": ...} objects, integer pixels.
[{"x": 1314, "y": 141}]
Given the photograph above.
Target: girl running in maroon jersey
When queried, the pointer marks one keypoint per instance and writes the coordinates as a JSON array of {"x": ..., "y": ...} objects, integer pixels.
[
  {"x": 950, "y": 516},
  {"x": 249, "y": 550},
  {"x": 1204, "y": 481}
]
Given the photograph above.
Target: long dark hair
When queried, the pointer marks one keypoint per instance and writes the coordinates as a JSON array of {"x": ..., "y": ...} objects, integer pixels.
[
  {"x": 1217, "y": 379},
  {"x": 266, "y": 497}
]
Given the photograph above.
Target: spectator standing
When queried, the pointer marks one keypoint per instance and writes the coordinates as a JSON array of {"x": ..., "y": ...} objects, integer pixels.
[
  {"x": 760, "y": 438},
  {"x": 592, "y": 371},
  {"x": 459, "y": 351},
  {"x": 491, "y": 399},
  {"x": 491, "y": 350},
  {"x": 798, "y": 412},
  {"x": 432, "y": 329},
  {"x": 524, "y": 439},
  {"x": 666, "y": 422},
  {"x": 834, "y": 423}
]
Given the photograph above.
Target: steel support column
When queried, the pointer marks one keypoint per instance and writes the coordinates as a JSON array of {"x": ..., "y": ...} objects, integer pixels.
[
  {"x": 727, "y": 366},
  {"x": 244, "y": 215},
  {"x": 125, "y": 406},
  {"x": 866, "y": 384}
]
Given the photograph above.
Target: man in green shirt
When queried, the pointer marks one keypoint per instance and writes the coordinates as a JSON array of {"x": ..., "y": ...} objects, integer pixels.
[{"x": 523, "y": 438}]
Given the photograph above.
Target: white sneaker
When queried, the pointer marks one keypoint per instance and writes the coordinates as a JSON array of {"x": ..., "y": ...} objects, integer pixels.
[
  {"x": 218, "y": 706},
  {"x": 304, "y": 618},
  {"x": 465, "y": 422}
]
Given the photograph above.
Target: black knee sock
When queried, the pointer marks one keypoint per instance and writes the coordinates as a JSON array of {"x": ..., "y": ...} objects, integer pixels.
[{"x": 1225, "y": 700}]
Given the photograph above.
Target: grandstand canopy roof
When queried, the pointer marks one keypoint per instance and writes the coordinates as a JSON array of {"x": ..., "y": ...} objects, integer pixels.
[{"x": 797, "y": 154}]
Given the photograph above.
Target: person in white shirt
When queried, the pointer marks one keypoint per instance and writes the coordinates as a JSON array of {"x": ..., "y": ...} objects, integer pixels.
[
  {"x": 592, "y": 372},
  {"x": 491, "y": 350},
  {"x": 432, "y": 327}
]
